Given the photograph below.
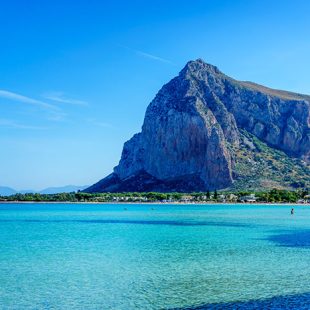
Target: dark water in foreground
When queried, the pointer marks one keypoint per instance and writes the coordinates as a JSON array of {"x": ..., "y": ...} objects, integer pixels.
[{"x": 65, "y": 256}]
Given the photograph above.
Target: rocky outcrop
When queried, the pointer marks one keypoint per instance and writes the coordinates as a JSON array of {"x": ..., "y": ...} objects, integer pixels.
[{"x": 191, "y": 132}]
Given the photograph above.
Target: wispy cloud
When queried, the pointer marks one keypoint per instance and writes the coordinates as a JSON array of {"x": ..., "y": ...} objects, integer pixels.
[
  {"x": 55, "y": 113},
  {"x": 148, "y": 55},
  {"x": 15, "y": 125},
  {"x": 99, "y": 123},
  {"x": 57, "y": 117},
  {"x": 60, "y": 97},
  {"x": 17, "y": 97},
  {"x": 154, "y": 57}
]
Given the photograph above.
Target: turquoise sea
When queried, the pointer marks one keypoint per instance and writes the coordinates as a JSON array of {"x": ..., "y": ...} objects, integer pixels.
[{"x": 82, "y": 256}]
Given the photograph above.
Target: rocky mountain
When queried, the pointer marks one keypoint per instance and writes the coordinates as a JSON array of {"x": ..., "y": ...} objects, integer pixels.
[{"x": 205, "y": 130}]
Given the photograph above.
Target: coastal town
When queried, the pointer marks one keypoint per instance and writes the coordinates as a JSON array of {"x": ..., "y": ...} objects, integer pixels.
[{"x": 300, "y": 196}]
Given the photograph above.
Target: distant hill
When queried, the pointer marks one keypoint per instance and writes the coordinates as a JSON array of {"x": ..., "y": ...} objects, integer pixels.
[
  {"x": 205, "y": 130},
  {"x": 63, "y": 189},
  {"x": 7, "y": 191}
]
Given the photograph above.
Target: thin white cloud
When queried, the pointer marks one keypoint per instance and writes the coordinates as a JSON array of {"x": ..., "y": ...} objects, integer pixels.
[
  {"x": 55, "y": 113},
  {"x": 99, "y": 123},
  {"x": 15, "y": 125},
  {"x": 148, "y": 55},
  {"x": 57, "y": 117},
  {"x": 17, "y": 97},
  {"x": 59, "y": 97},
  {"x": 153, "y": 57}
]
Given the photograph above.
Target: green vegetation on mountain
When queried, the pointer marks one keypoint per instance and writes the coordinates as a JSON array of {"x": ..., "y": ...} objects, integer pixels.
[{"x": 259, "y": 166}]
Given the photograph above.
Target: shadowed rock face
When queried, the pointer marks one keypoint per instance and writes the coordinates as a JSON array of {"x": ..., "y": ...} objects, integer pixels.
[{"x": 193, "y": 125}]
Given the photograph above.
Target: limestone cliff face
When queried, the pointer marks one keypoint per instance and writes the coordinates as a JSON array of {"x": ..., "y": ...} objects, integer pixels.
[{"x": 192, "y": 129}]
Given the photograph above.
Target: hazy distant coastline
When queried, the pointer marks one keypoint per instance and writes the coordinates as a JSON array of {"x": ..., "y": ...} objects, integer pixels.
[{"x": 7, "y": 191}]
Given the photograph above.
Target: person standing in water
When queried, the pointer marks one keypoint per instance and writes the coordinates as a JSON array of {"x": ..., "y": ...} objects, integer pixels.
[{"x": 292, "y": 211}]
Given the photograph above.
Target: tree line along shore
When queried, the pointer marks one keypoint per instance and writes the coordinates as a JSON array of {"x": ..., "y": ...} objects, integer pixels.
[{"x": 271, "y": 196}]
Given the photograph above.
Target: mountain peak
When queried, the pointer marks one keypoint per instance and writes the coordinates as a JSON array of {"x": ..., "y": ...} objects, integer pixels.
[{"x": 199, "y": 66}]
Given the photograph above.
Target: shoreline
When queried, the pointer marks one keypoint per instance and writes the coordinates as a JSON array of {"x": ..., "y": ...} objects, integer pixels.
[{"x": 157, "y": 203}]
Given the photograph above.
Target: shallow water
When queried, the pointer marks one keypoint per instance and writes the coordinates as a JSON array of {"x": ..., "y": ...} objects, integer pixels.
[{"x": 70, "y": 256}]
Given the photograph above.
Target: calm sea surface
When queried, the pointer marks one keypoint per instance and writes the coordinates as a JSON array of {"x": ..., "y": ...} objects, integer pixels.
[{"x": 69, "y": 256}]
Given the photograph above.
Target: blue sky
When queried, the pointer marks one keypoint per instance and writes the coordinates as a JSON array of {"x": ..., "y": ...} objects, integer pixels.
[{"x": 77, "y": 76}]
